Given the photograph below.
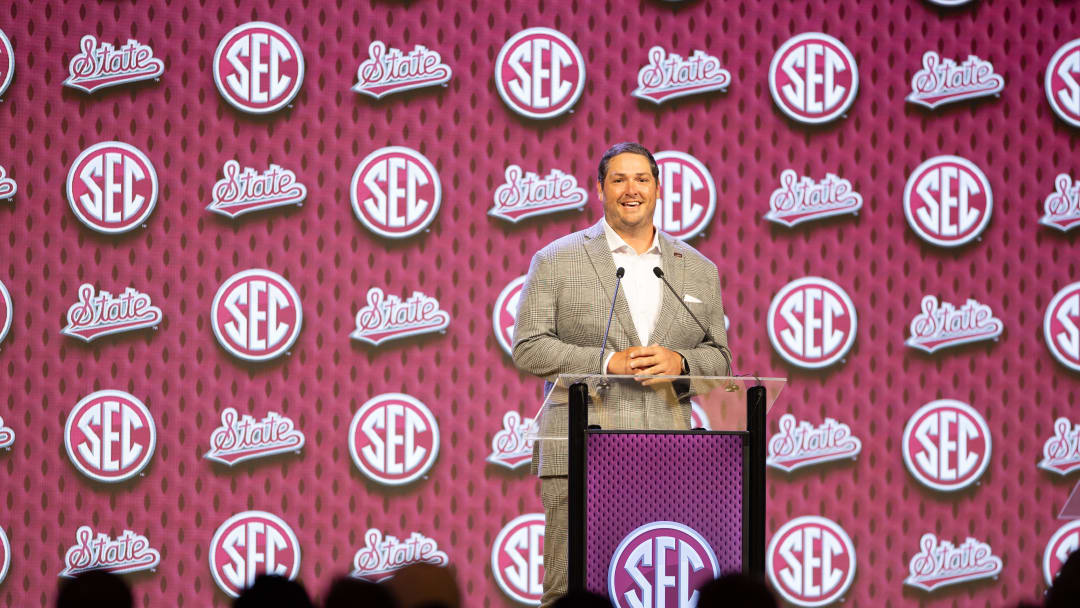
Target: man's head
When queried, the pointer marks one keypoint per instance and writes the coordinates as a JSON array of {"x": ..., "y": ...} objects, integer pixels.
[{"x": 627, "y": 183}]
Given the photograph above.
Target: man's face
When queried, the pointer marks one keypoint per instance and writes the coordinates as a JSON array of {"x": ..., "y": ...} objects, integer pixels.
[{"x": 629, "y": 192}]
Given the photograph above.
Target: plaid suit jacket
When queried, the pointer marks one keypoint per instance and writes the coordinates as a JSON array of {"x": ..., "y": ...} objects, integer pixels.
[{"x": 560, "y": 325}]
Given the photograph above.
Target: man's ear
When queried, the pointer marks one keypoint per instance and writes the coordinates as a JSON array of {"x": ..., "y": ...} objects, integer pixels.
[{"x": 600, "y": 189}]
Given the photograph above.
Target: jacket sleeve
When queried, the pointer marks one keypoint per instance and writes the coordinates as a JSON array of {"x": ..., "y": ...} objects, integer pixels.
[
  {"x": 538, "y": 348},
  {"x": 707, "y": 357}
]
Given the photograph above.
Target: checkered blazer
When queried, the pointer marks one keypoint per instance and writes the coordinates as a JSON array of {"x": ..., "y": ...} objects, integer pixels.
[{"x": 560, "y": 324}]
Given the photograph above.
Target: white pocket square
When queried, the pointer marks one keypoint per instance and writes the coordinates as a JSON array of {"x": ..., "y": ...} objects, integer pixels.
[{"x": 691, "y": 299}]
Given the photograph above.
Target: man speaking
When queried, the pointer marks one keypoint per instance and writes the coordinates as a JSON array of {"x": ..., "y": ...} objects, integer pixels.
[{"x": 564, "y": 310}]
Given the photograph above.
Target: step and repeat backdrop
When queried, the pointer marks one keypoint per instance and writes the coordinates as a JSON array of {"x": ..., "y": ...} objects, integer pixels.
[{"x": 260, "y": 264}]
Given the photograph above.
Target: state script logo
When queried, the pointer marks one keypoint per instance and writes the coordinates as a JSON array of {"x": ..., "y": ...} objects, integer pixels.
[
  {"x": 256, "y": 315},
  {"x": 942, "y": 81},
  {"x": 948, "y": 201},
  {"x": 517, "y": 559},
  {"x": 526, "y": 194},
  {"x": 1061, "y": 453},
  {"x": 1061, "y": 207},
  {"x": 1061, "y": 326},
  {"x": 102, "y": 314},
  {"x": 813, "y": 78},
  {"x": 812, "y": 322},
  {"x": 799, "y": 199},
  {"x": 391, "y": 71},
  {"x": 940, "y": 563},
  {"x": 239, "y": 192},
  {"x": 799, "y": 444},
  {"x": 7, "y": 435},
  {"x": 258, "y": 67},
  {"x": 1062, "y": 84},
  {"x": 504, "y": 313},
  {"x": 6, "y": 312},
  {"x": 540, "y": 73},
  {"x": 512, "y": 446},
  {"x": 386, "y": 318},
  {"x": 112, "y": 187},
  {"x": 110, "y": 436},
  {"x": 668, "y": 76},
  {"x": 395, "y": 192},
  {"x": 7, "y": 68},
  {"x": 97, "y": 67},
  {"x": 381, "y": 556},
  {"x": 945, "y": 325},
  {"x": 811, "y": 561},
  {"x": 129, "y": 552},
  {"x": 394, "y": 439},
  {"x": 662, "y": 563},
  {"x": 241, "y": 438},
  {"x": 250, "y": 544},
  {"x": 946, "y": 445},
  {"x": 8, "y": 187},
  {"x": 686, "y": 199}
]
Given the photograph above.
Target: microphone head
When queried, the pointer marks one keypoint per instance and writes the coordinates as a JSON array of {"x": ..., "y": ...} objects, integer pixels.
[
  {"x": 659, "y": 273},
  {"x": 619, "y": 272}
]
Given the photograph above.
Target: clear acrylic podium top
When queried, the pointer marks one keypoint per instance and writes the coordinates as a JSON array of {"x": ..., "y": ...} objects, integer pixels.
[{"x": 625, "y": 403}]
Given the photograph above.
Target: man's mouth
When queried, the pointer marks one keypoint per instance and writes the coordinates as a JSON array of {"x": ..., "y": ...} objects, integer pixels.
[{"x": 630, "y": 203}]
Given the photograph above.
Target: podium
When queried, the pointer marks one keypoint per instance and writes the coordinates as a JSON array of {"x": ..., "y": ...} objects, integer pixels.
[{"x": 666, "y": 477}]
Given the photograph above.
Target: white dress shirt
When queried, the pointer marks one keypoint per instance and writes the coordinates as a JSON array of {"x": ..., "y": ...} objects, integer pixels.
[{"x": 640, "y": 287}]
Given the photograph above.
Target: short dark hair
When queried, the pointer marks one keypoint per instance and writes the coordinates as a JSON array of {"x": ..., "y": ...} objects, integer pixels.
[{"x": 627, "y": 147}]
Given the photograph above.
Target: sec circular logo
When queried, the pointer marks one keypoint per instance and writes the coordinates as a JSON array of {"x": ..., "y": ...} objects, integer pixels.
[
  {"x": 1061, "y": 326},
  {"x": 112, "y": 187},
  {"x": 1061, "y": 545},
  {"x": 394, "y": 439},
  {"x": 249, "y": 545},
  {"x": 395, "y": 192},
  {"x": 811, "y": 561},
  {"x": 1062, "y": 87},
  {"x": 813, "y": 78},
  {"x": 662, "y": 563},
  {"x": 504, "y": 315},
  {"x": 256, "y": 315},
  {"x": 517, "y": 559},
  {"x": 5, "y": 555},
  {"x": 258, "y": 67},
  {"x": 812, "y": 322},
  {"x": 110, "y": 436},
  {"x": 6, "y": 312},
  {"x": 948, "y": 201},
  {"x": 7, "y": 63},
  {"x": 540, "y": 73},
  {"x": 687, "y": 197},
  {"x": 946, "y": 445}
]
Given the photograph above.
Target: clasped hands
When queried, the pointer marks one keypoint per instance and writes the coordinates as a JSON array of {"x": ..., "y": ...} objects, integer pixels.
[{"x": 652, "y": 360}]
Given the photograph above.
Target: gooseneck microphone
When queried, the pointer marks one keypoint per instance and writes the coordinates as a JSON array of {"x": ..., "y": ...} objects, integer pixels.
[
  {"x": 611, "y": 313},
  {"x": 723, "y": 349}
]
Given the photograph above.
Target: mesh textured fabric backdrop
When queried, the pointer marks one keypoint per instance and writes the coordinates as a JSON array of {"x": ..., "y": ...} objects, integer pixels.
[{"x": 188, "y": 131}]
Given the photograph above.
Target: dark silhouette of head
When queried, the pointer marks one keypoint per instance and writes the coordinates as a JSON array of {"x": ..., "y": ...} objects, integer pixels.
[
  {"x": 273, "y": 592},
  {"x": 736, "y": 591},
  {"x": 1066, "y": 588},
  {"x": 425, "y": 586},
  {"x": 94, "y": 589},
  {"x": 582, "y": 599},
  {"x": 348, "y": 592}
]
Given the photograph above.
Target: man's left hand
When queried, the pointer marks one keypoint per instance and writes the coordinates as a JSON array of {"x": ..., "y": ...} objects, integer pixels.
[{"x": 654, "y": 360}]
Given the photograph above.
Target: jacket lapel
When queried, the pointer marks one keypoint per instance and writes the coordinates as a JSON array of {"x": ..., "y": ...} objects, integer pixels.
[
  {"x": 669, "y": 306},
  {"x": 596, "y": 247}
]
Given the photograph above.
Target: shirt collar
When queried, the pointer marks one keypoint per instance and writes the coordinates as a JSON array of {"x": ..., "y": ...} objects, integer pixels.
[{"x": 617, "y": 245}]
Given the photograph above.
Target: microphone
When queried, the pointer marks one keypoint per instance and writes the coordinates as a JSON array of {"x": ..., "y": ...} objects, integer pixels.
[
  {"x": 723, "y": 349},
  {"x": 611, "y": 313}
]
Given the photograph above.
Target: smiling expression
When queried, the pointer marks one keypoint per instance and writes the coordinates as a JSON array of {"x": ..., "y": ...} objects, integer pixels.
[{"x": 629, "y": 193}]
